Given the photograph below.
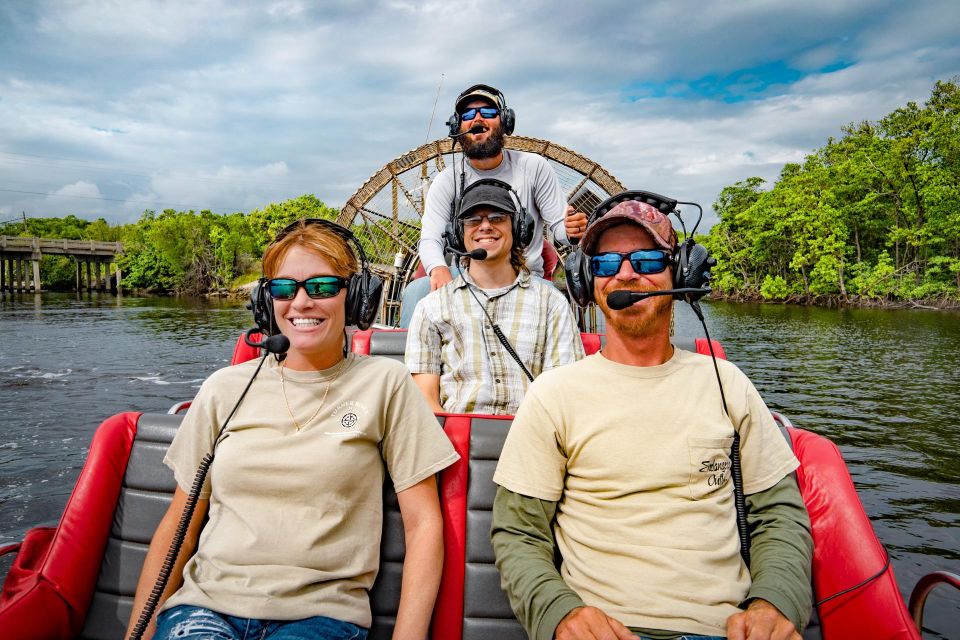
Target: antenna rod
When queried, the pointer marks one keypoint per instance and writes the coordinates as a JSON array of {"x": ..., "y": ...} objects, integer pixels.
[{"x": 434, "y": 112}]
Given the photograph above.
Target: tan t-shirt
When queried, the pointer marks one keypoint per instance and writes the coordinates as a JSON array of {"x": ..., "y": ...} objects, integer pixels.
[
  {"x": 638, "y": 458},
  {"x": 295, "y": 517}
]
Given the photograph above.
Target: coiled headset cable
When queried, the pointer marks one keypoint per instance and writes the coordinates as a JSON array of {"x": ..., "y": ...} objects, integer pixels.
[
  {"x": 736, "y": 473},
  {"x": 497, "y": 331}
]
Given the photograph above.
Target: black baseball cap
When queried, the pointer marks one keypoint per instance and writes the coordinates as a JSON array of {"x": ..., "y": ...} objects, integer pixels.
[{"x": 491, "y": 195}]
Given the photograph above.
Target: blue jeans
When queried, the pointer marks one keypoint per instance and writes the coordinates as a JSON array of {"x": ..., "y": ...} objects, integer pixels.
[{"x": 186, "y": 622}]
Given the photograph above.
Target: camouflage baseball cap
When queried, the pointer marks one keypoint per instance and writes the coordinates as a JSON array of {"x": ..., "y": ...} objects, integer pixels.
[
  {"x": 641, "y": 213},
  {"x": 478, "y": 92}
]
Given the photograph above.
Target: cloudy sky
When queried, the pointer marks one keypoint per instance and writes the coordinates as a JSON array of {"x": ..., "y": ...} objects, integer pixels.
[{"x": 110, "y": 108}]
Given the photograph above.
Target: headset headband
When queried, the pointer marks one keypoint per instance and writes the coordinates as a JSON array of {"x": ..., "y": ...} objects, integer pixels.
[{"x": 336, "y": 228}]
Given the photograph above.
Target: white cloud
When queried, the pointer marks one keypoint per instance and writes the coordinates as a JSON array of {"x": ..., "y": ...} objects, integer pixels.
[
  {"x": 232, "y": 105},
  {"x": 79, "y": 189}
]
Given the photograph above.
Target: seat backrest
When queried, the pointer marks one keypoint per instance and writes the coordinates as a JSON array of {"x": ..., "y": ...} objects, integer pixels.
[
  {"x": 471, "y": 604},
  {"x": 146, "y": 493},
  {"x": 243, "y": 351},
  {"x": 487, "y": 612},
  {"x": 390, "y": 343}
]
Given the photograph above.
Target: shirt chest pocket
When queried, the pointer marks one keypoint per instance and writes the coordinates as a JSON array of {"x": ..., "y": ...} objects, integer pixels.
[{"x": 709, "y": 466}]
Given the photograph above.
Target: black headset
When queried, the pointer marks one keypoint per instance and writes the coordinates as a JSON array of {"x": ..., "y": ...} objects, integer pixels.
[
  {"x": 363, "y": 289},
  {"x": 690, "y": 261},
  {"x": 522, "y": 225},
  {"x": 508, "y": 118}
]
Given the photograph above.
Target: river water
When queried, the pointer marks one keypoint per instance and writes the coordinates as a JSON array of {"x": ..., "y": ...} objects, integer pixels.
[{"x": 882, "y": 384}]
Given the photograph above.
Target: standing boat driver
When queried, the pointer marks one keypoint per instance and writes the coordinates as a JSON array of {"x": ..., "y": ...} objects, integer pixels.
[
  {"x": 531, "y": 176},
  {"x": 294, "y": 494},
  {"x": 622, "y": 462},
  {"x": 457, "y": 345}
]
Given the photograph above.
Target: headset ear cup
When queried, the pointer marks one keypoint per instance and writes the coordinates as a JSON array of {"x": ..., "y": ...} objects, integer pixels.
[
  {"x": 579, "y": 279},
  {"x": 508, "y": 120},
  {"x": 363, "y": 299},
  {"x": 454, "y": 235},
  {"x": 681, "y": 262},
  {"x": 262, "y": 307},
  {"x": 453, "y": 125},
  {"x": 523, "y": 229}
]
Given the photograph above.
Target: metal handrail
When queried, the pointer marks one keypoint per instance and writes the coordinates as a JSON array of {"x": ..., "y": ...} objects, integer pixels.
[
  {"x": 918, "y": 597},
  {"x": 180, "y": 406},
  {"x": 781, "y": 419}
]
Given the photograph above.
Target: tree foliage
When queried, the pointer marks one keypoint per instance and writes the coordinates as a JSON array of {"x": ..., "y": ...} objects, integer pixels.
[
  {"x": 872, "y": 215},
  {"x": 175, "y": 251}
]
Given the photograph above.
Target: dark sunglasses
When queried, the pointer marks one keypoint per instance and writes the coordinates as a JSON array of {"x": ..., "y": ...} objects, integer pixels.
[
  {"x": 492, "y": 218},
  {"x": 487, "y": 113},
  {"x": 646, "y": 261},
  {"x": 316, "y": 287}
]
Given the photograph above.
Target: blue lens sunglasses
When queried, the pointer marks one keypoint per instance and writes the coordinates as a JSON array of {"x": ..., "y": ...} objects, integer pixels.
[
  {"x": 317, "y": 287},
  {"x": 487, "y": 113},
  {"x": 646, "y": 261}
]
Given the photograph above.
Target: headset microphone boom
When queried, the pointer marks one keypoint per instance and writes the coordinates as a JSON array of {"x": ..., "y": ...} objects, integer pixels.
[{"x": 474, "y": 129}]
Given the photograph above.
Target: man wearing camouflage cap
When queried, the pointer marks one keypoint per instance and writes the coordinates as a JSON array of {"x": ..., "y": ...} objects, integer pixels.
[{"x": 621, "y": 462}]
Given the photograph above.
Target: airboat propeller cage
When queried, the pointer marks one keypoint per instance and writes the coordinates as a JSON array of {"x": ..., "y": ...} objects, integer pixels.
[{"x": 385, "y": 210}]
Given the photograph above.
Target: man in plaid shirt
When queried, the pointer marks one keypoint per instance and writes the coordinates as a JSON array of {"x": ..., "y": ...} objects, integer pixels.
[{"x": 453, "y": 348}]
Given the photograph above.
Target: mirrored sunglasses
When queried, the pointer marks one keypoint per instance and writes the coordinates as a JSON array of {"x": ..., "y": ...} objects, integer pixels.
[
  {"x": 487, "y": 113},
  {"x": 316, "y": 287},
  {"x": 646, "y": 261},
  {"x": 492, "y": 218}
]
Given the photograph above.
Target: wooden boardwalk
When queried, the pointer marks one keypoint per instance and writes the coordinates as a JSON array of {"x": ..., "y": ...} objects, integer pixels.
[{"x": 92, "y": 257}]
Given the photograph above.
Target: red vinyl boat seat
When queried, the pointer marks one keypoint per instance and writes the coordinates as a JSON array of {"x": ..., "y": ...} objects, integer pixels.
[
  {"x": 847, "y": 553},
  {"x": 78, "y": 580},
  {"x": 48, "y": 592}
]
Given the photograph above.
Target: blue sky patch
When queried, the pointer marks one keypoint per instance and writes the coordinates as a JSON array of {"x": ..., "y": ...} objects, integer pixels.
[{"x": 744, "y": 84}]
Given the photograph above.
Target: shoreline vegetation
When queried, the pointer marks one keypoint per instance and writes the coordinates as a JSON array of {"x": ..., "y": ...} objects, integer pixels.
[{"x": 871, "y": 219}]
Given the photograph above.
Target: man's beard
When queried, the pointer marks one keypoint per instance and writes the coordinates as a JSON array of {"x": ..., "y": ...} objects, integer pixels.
[
  {"x": 639, "y": 323},
  {"x": 489, "y": 148}
]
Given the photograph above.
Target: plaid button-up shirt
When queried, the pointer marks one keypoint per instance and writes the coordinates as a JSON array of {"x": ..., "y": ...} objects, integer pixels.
[{"x": 450, "y": 336}]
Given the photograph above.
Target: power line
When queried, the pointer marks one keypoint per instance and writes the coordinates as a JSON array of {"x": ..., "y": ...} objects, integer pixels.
[{"x": 148, "y": 202}]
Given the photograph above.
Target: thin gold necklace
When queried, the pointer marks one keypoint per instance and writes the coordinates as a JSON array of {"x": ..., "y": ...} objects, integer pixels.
[{"x": 283, "y": 390}]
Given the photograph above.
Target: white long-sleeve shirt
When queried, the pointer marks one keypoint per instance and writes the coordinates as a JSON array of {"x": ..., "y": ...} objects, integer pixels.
[{"x": 536, "y": 184}]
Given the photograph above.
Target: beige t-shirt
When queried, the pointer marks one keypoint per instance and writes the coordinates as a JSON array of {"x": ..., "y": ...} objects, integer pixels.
[
  {"x": 638, "y": 458},
  {"x": 295, "y": 518}
]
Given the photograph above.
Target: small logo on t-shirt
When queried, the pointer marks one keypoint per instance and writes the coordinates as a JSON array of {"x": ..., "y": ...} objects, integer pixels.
[
  {"x": 353, "y": 416},
  {"x": 716, "y": 470}
]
